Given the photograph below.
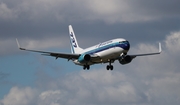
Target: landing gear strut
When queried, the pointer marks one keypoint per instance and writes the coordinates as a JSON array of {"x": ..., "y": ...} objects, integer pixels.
[
  {"x": 86, "y": 67},
  {"x": 109, "y": 66}
]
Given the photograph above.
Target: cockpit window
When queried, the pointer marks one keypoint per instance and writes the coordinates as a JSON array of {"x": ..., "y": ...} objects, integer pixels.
[{"x": 123, "y": 42}]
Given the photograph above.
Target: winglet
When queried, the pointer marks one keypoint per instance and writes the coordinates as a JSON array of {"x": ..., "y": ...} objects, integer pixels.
[
  {"x": 160, "y": 49},
  {"x": 19, "y": 45}
]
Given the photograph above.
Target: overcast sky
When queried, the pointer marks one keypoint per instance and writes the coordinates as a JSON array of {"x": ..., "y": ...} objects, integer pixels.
[{"x": 31, "y": 79}]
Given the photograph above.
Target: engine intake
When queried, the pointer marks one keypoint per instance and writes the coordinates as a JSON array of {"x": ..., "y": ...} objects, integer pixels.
[
  {"x": 125, "y": 60},
  {"x": 84, "y": 58}
]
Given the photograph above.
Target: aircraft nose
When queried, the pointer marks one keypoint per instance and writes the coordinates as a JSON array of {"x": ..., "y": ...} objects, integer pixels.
[{"x": 126, "y": 45}]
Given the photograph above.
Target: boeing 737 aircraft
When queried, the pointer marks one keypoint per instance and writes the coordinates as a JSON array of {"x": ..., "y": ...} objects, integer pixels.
[{"x": 106, "y": 52}]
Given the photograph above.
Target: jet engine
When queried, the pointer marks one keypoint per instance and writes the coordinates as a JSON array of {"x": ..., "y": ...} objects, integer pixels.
[
  {"x": 125, "y": 59},
  {"x": 84, "y": 58}
]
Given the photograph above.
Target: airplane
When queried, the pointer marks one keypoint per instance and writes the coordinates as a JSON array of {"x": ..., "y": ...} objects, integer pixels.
[{"x": 106, "y": 52}]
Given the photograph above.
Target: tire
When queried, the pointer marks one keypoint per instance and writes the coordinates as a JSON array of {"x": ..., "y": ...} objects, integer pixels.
[{"x": 107, "y": 67}]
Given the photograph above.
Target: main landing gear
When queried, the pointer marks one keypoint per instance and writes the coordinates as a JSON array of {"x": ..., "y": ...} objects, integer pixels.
[
  {"x": 86, "y": 67},
  {"x": 109, "y": 67}
]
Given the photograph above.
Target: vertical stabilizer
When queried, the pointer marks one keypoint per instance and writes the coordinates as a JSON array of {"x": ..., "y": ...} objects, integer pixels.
[{"x": 74, "y": 44}]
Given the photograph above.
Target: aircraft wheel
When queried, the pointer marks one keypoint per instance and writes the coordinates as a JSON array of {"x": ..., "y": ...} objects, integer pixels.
[
  {"x": 88, "y": 67},
  {"x": 111, "y": 67},
  {"x": 84, "y": 67},
  {"x": 107, "y": 67}
]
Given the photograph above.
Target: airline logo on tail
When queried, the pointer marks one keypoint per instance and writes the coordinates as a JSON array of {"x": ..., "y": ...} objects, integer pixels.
[{"x": 73, "y": 40}]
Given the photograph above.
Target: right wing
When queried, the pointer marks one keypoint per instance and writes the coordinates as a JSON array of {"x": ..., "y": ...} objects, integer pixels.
[
  {"x": 54, "y": 54},
  {"x": 160, "y": 50}
]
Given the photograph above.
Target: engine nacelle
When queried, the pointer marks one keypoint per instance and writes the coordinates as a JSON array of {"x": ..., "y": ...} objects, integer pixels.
[
  {"x": 125, "y": 60},
  {"x": 84, "y": 58}
]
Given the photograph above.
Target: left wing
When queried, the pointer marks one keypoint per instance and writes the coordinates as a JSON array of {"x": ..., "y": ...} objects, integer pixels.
[
  {"x": 54, "y": 54},
  {"x": 160, "y": 50}
]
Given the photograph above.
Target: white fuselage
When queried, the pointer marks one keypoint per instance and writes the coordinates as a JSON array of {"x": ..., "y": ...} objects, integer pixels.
[{"x": 106, "y": 51}]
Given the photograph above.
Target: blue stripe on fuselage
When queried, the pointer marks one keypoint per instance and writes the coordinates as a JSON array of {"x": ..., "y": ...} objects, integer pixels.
[{"x": 124, "y": 46}]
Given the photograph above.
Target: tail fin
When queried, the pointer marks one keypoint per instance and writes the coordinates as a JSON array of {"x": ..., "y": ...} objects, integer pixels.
[{"x": 74, "y": 44}]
